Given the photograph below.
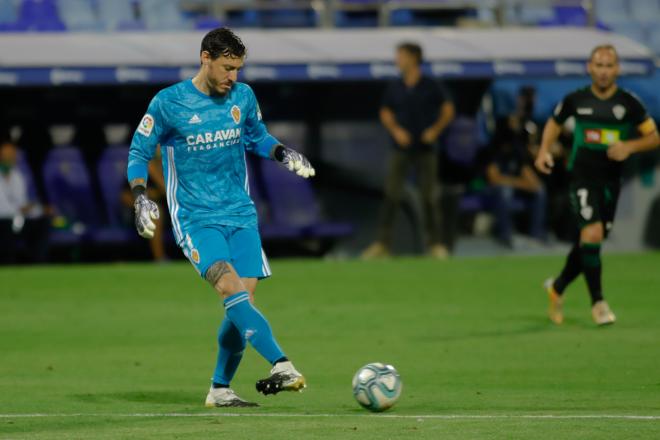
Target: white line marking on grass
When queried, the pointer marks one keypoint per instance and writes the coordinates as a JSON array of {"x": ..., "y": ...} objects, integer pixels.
[{"x": 386, "y": 416}]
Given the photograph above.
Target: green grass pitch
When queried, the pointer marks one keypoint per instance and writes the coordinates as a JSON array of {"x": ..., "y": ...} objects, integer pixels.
[{"x": 126, "y": 351}]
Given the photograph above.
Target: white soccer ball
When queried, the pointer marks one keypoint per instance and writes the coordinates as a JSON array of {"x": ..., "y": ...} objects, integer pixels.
[{"x": 377, "y": 386}]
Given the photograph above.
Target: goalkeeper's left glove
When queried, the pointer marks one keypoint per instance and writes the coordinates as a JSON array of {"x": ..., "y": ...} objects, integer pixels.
[
  {"x": 145, "y": 212},
  {"x": 293, "y": 161}
]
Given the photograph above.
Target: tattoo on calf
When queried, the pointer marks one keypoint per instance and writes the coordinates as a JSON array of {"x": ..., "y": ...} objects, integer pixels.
[{"x": 217, "y": 271}]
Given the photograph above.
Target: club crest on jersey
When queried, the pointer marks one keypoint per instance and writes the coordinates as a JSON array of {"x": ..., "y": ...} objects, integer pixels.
[
  {"x": 194, "y": 255},
  {"x": 236, "y": 114},
  {"x": 619, "y": 111},
  {"x": 146, "y": 125}
]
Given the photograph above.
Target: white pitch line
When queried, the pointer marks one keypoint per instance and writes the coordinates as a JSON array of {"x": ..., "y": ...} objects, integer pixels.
[{"x": 387, "y": 416}]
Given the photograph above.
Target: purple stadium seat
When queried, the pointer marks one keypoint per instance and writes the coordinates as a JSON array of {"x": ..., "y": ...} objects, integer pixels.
[
  {"x": 292, "y": 202},
  {"x": 26, "y": 171},
  {"x": 112, "y": 180},
  {"x": 267, "y": 228},
  {"x": 68, "y": 185},
  {"x": 69, "y": 189},
  {"x": 461, "y": 142}
]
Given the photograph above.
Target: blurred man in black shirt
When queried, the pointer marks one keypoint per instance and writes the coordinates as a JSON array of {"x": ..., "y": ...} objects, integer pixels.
[
  {"x": 415, "y": 111},
  {"x": 511, "y": 175}
]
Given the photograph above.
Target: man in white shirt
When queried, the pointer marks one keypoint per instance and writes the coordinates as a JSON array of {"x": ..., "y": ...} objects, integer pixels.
[{"x": 13, "y": 201}]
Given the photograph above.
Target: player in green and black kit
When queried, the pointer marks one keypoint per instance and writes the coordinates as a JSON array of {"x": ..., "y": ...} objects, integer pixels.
[{"x": 610, "y": 125}]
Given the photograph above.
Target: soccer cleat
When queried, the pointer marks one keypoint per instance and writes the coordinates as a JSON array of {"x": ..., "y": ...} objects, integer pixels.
[
  {"x": 555, "y": 309},
  {"x": 375, "y": 250},
  {"x": 602, "y": 313},
  {"x": 226, "y": 397},
  {"x": 283, "y": 377}
]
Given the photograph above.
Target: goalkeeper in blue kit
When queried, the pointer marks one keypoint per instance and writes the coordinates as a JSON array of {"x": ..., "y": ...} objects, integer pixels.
[{"x": 204, "y": 126}]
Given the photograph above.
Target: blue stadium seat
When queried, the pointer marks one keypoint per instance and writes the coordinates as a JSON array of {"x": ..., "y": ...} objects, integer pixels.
[
  {"x": 78, "y": 15},
  {"x": 534, "y": 14},
  {"x": 653, "y": 40},
  {"x": 571, "y": 16},
  {"x": 645, "y": 10},
  {"x": 610, "y": 11},
  {"x": 118, "y": 15},
  {"x": 631, "y": 29},
  {"x": 8, "y": 11},
  {"x": 163, "y": 15},
  {"x": 40, "y": 16},
  {"x": 207, "y": 23}
]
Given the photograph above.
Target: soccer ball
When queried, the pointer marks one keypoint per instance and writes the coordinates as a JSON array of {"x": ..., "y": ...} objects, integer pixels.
[{"x": 377, "y": 386}]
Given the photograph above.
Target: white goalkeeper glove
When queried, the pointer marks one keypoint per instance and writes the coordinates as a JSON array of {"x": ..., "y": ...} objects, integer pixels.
[
  {"x": 145, "y": 212},
  {"x": 294, "y": 161}
]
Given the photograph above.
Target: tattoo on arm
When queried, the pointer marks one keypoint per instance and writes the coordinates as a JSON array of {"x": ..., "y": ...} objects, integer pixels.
[{"x": 217, "y": 271}]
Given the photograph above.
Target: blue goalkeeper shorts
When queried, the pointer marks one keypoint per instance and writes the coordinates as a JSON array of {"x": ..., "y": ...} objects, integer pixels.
[{"x": 241, "y": 247}]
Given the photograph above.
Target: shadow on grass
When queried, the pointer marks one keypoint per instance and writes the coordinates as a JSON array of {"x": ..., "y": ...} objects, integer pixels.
[{"x": 523, "y": 326}]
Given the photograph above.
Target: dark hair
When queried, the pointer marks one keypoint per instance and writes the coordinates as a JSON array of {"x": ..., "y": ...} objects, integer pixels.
[
  {"x": 223, "y": 42},
  {"x": 413, "y": 49},
  {"x": 604, "y": 47}
]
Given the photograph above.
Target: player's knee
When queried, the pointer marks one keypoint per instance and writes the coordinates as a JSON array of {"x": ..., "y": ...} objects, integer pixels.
[
  {"x": 222, "y": 276},
  {"x": 592, "y": 233}
]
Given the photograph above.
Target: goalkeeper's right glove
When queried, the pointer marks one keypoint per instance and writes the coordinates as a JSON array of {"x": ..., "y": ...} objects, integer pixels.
[
  {"x": 294, "y": 161},
  {"x": 145, "y": 212}
]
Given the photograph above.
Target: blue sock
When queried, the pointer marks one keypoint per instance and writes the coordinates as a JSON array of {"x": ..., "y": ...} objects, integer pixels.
[
  {"x": 253, "y": 326},
  {"x": 231, "y": 345}
]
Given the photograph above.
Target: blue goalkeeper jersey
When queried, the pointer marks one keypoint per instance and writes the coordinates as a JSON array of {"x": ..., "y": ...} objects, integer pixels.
[{"x": 203, "y": 142}]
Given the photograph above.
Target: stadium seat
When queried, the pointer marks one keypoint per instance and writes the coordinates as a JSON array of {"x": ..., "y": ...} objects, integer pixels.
[
  {"x": 8, "y": 11},
  {"x": 78, "y": 15},
  {"x": 288, "y": 18},
  {"x": 571, "y": 16},
  {"x": 611, "y": 11},
  {"x": 461, "y": 141},
  {"x": 645, "y": 10},
  {"x": 653, "y": 40},
  {"x": 162, "y": 15},
  {"x": 358, "y": 13},
  {"x": 292, "y": 202},
  {"x": 535, "y": 13},
  {"x": 112, "y": 180},
  {"x": 39, "y": 15},
  {"x": 207, "y": 23},
  {"x": 268, "y": 229},
  {"x": 118, "y": 15},
  {"x": 631, "y": 29},
  {"x": 68, "y": 187},
  {"x": 25, "y": 170}
]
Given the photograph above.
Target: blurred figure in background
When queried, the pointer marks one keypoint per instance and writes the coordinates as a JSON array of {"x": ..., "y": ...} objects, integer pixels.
[
  {"x": 510, "y": 173},
  {"x": 14, "y": 208},
  {"x": 415, "y": 111}
]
